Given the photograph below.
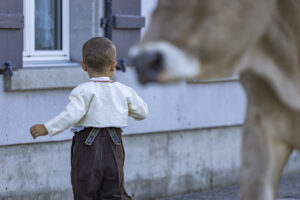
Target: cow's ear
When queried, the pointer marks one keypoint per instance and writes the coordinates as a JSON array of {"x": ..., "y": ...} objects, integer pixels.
[
  {"x": 11, "y": 34},
  {"x": 122, "y": 24}
]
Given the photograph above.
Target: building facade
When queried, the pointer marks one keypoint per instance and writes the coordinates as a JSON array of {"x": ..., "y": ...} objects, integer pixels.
[{"x": 189, "y": 142}]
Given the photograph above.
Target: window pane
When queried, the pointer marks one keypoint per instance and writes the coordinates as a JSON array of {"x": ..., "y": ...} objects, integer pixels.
[{"x": 48, "y": 24}]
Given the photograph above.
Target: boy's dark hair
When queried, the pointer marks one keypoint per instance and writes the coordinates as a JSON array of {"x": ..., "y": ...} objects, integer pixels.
[{"x": 98, "y": 54}]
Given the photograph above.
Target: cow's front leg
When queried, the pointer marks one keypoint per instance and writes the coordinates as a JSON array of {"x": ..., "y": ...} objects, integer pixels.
[{"x": 264, "y": 156}]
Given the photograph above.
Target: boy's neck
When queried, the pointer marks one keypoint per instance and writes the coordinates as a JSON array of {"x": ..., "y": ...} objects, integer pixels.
[{"x": 94, "y": 75}]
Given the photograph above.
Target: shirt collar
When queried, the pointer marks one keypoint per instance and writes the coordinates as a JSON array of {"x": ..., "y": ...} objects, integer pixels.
[{"x": 100, "y": 78}]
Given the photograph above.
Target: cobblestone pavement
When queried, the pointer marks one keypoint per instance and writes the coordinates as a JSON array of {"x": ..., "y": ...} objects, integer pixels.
[{"x": 289, "y": 189}]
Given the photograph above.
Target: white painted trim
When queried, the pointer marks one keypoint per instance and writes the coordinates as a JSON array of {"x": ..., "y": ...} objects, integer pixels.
[
  {"x": 49, "y": 64},
  {"x": 26, "y": 37},
  {"x": 48, "y": 53},
  {"x": 66, "y": 27},
  {"x": 29, "y": 53},
  {"x": 54, "y": 76},
  {"x": 45, "y": 58}
]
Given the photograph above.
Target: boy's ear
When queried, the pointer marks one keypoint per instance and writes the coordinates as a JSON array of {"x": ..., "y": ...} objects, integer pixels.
[
  {"x": 83, "y": 66},
  {"x": 113, "y": 66}
]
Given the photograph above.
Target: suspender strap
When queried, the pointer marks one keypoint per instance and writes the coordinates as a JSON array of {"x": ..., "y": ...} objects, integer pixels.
[
  {"x": 92, "y": 136},
  {"x": 95, "y": 131},
  {"x": 114, "y": 136}
]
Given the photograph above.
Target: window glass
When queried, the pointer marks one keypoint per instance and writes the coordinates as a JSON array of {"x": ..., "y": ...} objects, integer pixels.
[{"x": 48, "y": 24}]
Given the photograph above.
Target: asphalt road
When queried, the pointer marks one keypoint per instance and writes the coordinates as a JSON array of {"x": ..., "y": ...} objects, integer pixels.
[{"x": 289, "y": 189}]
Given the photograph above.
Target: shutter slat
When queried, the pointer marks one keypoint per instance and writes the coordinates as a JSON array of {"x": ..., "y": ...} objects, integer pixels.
[
  {"x": 128, "y": 21},
  {"x": 123, "y": 23},
  {"x": 11, "y": 21},
  {"x": 11, "y": 33}
]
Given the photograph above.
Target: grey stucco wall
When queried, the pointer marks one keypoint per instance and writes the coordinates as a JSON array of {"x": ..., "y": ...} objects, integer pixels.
[
  {"x": 172, "y": 107},
  {"x": 159, "y": 164},
  {"x": 156, "y": 165}
]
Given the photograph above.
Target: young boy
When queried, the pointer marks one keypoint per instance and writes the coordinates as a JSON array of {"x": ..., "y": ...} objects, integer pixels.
[{"x": 98, "y": 110}]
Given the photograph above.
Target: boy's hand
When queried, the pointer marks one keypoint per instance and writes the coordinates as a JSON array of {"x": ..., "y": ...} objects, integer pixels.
[{"x": 38, "y": 130}]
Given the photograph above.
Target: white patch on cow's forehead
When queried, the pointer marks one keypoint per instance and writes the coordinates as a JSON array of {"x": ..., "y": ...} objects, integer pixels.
[
  {"x": 134, "y": 51},
  {"x": 177, "y": 63}
]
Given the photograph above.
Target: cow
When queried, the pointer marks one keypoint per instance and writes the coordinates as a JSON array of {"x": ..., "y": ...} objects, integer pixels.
[{"x": 259, "y": 40}]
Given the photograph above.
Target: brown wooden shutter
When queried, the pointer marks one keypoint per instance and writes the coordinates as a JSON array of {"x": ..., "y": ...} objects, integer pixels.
[
  {"x": 122, "y": 24},
  {"x": 11, "y": 33}
]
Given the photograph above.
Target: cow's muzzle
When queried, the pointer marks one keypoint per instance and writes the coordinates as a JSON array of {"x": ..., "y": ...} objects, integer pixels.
[
  {"x": 149, "y": 66},
  {"x": 162, "y": 62}
]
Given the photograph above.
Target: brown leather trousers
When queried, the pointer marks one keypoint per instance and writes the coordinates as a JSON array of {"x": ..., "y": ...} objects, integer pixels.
[{"x": 97, "y": 170}]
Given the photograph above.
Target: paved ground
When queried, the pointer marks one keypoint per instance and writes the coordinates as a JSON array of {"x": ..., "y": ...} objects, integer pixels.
[{"x": 289, "y": 189}]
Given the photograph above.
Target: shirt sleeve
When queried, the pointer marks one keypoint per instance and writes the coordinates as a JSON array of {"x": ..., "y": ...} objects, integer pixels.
[
  {"x": 73, "y": 112},
  {"x": 137, "y": 108}
]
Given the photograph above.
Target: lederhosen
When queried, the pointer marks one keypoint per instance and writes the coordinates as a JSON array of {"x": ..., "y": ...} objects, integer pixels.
[{"x": 97, "y": 165}]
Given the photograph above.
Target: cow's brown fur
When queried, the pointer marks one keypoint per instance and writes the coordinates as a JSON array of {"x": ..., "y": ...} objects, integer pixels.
[
  {"x": 260, "y": 39},
  {"x": 224, "y": 35}
]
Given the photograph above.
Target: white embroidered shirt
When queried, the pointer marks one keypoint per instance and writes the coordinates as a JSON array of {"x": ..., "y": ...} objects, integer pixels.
[{"x": 99, "y": 103}]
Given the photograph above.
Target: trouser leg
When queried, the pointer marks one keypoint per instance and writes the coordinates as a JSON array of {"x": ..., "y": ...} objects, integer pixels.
[
  {"x": 113, "y": 182},
  {"x": 86, "y": 173},
  {"x": 97, "y": 170}
]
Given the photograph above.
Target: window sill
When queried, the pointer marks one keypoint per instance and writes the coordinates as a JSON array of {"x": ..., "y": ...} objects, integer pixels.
[
  {"x": 226, "y": 79},
  {"x": 46, "y": 76}
]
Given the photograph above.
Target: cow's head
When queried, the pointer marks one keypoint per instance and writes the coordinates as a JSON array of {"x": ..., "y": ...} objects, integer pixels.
[{"x": 199, "y": 38}]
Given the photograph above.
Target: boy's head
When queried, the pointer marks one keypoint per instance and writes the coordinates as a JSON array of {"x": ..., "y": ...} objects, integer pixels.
[{"x": 99, "y": 54}]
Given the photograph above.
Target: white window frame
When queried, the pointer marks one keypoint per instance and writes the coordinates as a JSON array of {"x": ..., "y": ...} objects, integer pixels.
[{"x": 29, "y": 52}]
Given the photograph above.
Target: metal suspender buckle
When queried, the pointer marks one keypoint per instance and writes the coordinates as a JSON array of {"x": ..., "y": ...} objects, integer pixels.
[{"x": 92, "y": 136}]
